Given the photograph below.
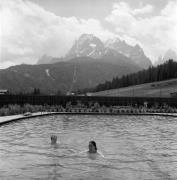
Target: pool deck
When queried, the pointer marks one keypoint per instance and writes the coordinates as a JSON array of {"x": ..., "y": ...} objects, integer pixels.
[{"x": 14, "y": 118}]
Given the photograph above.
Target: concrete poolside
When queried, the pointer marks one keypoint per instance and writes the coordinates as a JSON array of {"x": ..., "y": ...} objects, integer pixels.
[{"x": 14, "y": 118}]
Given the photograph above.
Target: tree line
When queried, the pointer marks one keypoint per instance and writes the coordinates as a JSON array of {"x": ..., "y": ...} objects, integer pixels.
[{"x": 165, "y": 71}]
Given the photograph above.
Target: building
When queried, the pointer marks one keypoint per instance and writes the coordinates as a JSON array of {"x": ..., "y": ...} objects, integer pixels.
[{"x": 3, "y": 91}]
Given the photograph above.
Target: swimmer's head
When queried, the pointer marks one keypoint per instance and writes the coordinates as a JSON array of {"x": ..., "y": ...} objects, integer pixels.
[
  {"x": 53, "y": 139},
  {"x": 92, "y": 147}
]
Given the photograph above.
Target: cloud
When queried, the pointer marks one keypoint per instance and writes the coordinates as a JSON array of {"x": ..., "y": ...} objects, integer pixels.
[
  {"x": 28, "y": 31},
  {"x": 125, "y": 8},
  {"x": 145, "y": 10},
  {"x": 155, "y": 33}
]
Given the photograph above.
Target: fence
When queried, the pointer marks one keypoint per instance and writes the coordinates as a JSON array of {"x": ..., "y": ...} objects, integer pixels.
[{"x": 102, "y": 100}]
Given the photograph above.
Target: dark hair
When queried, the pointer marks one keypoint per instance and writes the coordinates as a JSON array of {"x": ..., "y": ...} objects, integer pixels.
[
  {"x": 53, "y": 138},
  {"x": 94, "y": 144}
]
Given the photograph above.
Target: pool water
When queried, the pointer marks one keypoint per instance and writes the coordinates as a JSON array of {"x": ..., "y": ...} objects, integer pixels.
[{"x": 134, "y": 148}]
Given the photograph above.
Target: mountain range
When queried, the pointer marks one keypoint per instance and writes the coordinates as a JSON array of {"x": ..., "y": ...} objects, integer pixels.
[
  {"x": 88, "y": 63},
  {"x": 89, "y": 45}
]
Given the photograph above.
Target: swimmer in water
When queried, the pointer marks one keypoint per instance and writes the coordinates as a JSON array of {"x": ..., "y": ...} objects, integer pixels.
[
  {"x": 53, "y": 139},
  {"x": 92, "y": 151},
  {"x": 92, "y": 147}
]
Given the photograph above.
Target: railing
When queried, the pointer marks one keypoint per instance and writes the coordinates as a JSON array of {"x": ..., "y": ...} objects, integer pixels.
[{"x": 102, "y": 100}]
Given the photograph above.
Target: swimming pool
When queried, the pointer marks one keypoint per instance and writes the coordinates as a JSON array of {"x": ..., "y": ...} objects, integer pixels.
[{"x": 135, "y": 147}]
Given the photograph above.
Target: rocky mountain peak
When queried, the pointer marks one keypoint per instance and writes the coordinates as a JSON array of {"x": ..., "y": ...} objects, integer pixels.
[
  {"x": 86, "y": 45},
  {"x": 137, "y": 46},
  {"x": 86, "y": 37},
  {"x": 110, "y": 42},
  {"x": 136, "y": 53}
]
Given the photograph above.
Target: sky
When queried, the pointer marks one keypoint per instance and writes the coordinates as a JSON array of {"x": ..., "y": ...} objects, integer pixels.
[{"x": 31, "y": 28}]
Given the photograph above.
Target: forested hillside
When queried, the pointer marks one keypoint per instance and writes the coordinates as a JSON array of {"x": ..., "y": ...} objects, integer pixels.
[
  {"x": 165, "y": 71},
  {"x": 63, "y": 77}
]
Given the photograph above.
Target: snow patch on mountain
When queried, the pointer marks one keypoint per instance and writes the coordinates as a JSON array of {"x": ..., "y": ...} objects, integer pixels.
[
  {"x": 92, "y": 52},
  {"x": 92, "y": 45},
  {"x": 48, "y": 74}
]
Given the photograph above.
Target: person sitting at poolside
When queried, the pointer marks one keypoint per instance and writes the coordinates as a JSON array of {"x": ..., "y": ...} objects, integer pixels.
[{"x": 53, "y": 139}]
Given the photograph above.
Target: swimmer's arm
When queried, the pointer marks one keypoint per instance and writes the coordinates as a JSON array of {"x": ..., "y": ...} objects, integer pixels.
[{"x": 100, "y": 153}]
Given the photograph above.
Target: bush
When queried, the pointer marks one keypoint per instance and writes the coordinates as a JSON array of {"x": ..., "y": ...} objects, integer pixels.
[{"x": 4, "y": 111}]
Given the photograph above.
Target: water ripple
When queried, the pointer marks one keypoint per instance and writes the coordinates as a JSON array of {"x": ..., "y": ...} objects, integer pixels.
[{"x": 134, "y": 148}]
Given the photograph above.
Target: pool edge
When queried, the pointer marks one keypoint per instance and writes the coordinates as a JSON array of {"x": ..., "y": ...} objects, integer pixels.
[{"x": 11, "y": 119}]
